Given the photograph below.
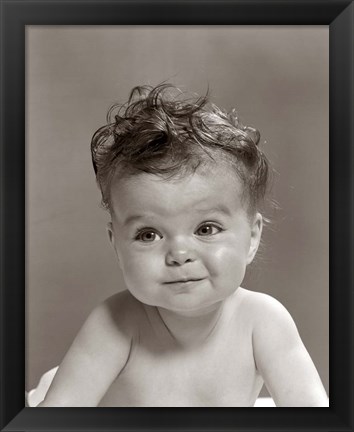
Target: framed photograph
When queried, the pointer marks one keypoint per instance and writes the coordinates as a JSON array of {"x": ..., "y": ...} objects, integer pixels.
[{"x": 287, "y": 69}]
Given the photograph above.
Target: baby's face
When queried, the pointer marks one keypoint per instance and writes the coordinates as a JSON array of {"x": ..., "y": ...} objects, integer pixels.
[{"x": 183, "y": 244}]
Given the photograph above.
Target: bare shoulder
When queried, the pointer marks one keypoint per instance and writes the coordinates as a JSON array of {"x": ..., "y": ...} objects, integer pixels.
[
  {"x": 121, "y": 311},
  {"x": 101, "y": 348},
  {"x": 280, "y": 355},
  {"x": 112, "y": 324},
  {"x": 109, "y": 327},
  {"x": 263, "y": 310},
  {"x": 257, "y": 299}
]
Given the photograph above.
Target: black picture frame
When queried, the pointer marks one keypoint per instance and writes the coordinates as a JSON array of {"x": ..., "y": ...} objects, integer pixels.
[{"x": 15, "y": 15}]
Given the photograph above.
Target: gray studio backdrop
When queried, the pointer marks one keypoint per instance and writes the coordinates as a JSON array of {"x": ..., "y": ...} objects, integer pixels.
[{"x": 276, "y": 77}]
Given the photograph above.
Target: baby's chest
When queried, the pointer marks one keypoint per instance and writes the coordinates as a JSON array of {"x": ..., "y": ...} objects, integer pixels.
[{"x": 217, "y": 375}]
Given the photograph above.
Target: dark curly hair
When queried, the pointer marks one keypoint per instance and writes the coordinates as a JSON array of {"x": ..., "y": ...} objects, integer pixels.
[{"x": 162, "y": 131}]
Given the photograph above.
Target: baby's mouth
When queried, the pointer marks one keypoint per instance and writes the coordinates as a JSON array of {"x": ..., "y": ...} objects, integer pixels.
[{"x": 183, "y": 280}]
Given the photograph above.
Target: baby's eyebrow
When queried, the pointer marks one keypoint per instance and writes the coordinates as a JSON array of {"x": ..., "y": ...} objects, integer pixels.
[
  {"x": 218, "y": 209},
  {"x": 132, "y": 218}
]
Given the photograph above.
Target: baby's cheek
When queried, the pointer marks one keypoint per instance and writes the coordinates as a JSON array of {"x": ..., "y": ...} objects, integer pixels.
[
  {"x": 225, "y": 260},
  {"x": 140, "y": 270}
]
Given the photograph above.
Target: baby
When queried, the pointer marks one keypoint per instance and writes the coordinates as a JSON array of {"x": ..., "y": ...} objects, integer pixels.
[{"x": 183, "y": 182}]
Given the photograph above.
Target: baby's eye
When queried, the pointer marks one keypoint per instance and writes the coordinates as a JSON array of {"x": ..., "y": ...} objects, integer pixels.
[
  {"x": 208, "y": 229},
  {"x": 148, "y": 236}
]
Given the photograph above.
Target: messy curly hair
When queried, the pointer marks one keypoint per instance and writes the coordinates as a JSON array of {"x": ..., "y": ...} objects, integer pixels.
[{"x": 162, "y": 131}]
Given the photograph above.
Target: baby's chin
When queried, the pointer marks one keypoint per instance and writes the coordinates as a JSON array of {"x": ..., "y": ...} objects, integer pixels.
[
  {"x": 185, "y": 304},
  {"x": 190, "y": 311}
]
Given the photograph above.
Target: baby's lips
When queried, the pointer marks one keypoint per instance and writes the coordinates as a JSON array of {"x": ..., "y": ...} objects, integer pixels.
[{"x": 184, "y": 279}]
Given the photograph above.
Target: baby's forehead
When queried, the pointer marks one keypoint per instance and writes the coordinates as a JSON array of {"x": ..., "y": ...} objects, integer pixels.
[
  {"x": 210, "y": 164},
  {"x": 207, "y": 175},
  {"x": 203, "y": 190}
]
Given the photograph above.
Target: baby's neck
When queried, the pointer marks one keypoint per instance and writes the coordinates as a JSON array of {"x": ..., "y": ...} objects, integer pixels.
[{"x": 193, "y": 328}]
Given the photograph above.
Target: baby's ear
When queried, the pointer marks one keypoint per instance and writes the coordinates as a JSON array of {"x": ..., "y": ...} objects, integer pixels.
[
  {"x": 256, "y": 233},
  {"x": 110, "y": 233},
  {"x": 112, "y": 239}
]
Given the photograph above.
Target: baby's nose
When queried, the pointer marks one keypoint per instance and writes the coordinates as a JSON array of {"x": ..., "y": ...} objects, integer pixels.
[{"x": 180, "y": 256}]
